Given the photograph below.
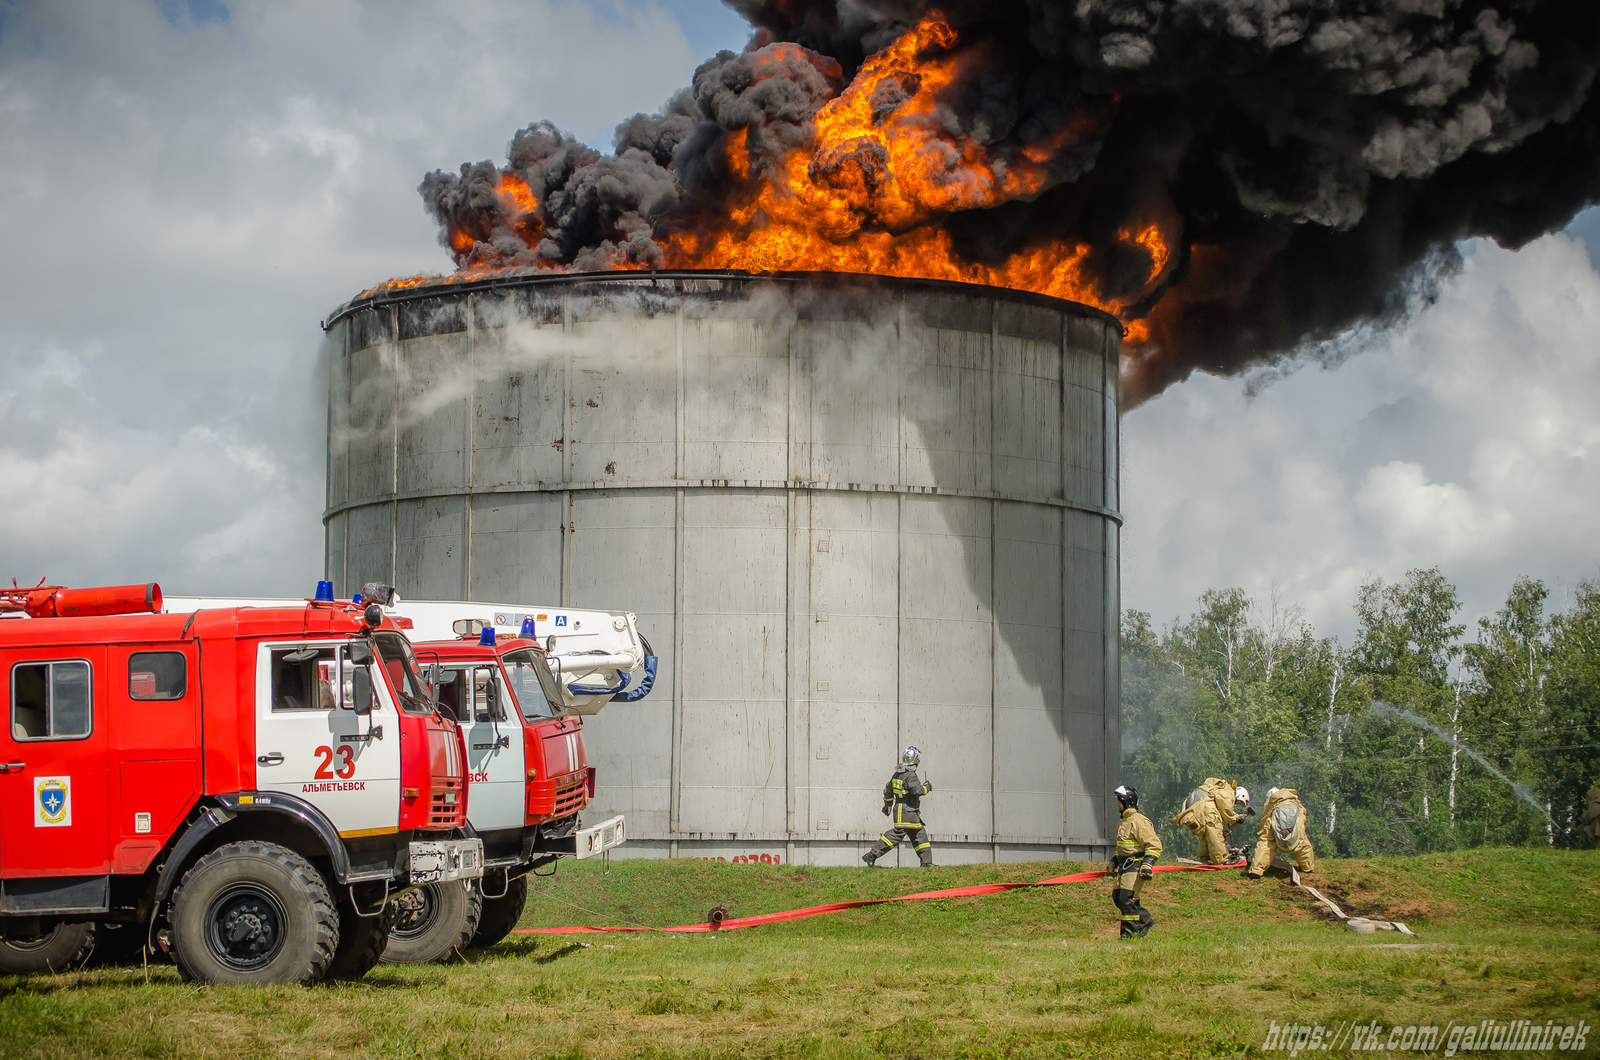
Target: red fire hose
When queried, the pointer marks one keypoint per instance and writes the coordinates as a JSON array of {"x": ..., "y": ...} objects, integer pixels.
[{"x": 820, "y": 910}]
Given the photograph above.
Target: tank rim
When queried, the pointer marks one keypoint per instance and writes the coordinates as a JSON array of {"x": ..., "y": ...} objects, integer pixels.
[{"x": 655, "y": 276}]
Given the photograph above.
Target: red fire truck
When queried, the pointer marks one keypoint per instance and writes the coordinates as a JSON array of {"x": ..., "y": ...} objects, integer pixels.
[
  {"x": 250, "y": 786},
  {"x": 530, "y": 778}
]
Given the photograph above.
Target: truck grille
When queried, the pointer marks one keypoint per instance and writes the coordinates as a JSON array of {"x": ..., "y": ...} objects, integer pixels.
[
  {"x": 558, "y": 797},
  {"x": 442, "y": 813},
  {"x": 570, "y": 796}
]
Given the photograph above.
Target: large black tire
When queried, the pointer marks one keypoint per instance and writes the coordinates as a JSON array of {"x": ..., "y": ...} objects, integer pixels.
[
  {"x": 254, "y": 912},
  {"x": 61, "y": 949},
  {"x": 500, "y": 915},
  {"x": 362, "y": 940},
  {"x": 433, "y": 923}
]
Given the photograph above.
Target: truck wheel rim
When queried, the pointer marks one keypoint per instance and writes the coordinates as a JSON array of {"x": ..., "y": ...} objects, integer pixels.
[
  {"x": 414, "y": 913},
  {"x": 33, "y": 942},
  {"x": 245, "y": 928}
]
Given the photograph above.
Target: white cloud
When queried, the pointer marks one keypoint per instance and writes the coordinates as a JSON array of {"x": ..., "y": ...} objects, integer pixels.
[
  {"x": 181, "y": 200},
  {"x": 1466, "y": 439}
]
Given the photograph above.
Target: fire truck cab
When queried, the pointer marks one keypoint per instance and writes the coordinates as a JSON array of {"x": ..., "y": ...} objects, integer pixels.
[
  {"x": 530, "y": 778},
  {"x": 251, "y": 786}
]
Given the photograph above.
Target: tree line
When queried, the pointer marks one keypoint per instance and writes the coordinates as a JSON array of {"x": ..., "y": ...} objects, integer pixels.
[{"x": 1414, "y": 738}]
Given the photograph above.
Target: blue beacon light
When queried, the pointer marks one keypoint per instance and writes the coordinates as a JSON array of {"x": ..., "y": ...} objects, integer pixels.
[
  {"x": 486, "y": 639},
  {"x": 527, "y": 629},
  {"x": 324, "y": 593}
]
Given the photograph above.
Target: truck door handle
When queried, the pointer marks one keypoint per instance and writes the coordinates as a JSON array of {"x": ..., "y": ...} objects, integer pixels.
[
  {"x": 274, "y": 758},
  {"x": 12, "y": 767}
]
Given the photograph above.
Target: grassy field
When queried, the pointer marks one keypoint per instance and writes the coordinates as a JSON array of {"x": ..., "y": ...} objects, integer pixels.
[{"x": 1501, "y": 935}]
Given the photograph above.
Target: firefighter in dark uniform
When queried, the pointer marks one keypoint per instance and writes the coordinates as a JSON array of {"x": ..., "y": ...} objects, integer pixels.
[
  {"x": 902, "y": 803},
  {"x": 1138, "y": 846}
]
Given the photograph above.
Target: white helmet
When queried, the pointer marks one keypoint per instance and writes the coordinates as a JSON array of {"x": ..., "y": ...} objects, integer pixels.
[
  {"x": 911, "y": 757},
  {"x": 1241, "y": 796},
  {"x": 1271, "y": 792}
]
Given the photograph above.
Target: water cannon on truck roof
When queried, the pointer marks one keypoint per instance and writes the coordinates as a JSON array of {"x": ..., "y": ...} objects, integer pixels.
[{"x": 599, "y": 657}]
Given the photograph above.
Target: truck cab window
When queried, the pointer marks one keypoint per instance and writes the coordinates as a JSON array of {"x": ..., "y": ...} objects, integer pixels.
[
  {"x": 400, "y": 663},
  {"x": 472, "y": 694},
  {"x": 50, "y": 701},
  {"x": 533, "y": 683},
  {"x": 157, "y": 675},
  {"x": 488, "y": 695},
  {"x": 304, "y": 678}
]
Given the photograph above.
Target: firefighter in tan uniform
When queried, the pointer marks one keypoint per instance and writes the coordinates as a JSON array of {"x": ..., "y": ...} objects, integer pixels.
[
  {"x": 1591, "y": 819},
  {"x": 1283, "y": 831},
  {"x": 1209, "y": 811},
  {"x": 1138, "y": 846},
  {"x": 902, "y": 803}
]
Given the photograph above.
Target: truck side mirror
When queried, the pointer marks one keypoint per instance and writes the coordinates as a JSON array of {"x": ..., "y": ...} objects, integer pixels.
[
  {"x": 359, "y": 652},
  {"x": 361, "y": 690}
]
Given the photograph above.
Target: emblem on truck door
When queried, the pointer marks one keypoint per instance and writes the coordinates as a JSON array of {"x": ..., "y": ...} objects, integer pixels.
[{"x": 52, "y": 801}]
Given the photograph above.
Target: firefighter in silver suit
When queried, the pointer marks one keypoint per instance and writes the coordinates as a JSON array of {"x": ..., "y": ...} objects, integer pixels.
[{"x": 902, "y": 803}]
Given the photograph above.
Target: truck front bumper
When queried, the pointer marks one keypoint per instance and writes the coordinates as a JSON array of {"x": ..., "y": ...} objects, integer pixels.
[
  {"x": 587, "y": 842},
  {"x": 438, "y": 861}
]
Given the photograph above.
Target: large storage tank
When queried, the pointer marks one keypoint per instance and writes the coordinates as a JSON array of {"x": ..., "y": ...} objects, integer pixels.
[{"x": 851, "y": 513}]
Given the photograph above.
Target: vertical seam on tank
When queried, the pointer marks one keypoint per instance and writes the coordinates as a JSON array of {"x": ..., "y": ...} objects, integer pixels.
[
  {"x": 327, "y": 491},
  {"x": 790, "y": 702},
  {"x": 680, "y": 453},
  {"x": 1066, "y": 573},
  {"x": 1105, "y": 561},
  {"x": 394, "y": 449},
  {"x": 467, "y": 457},
  {"x": 994, "y": 589},
  {"x": 675, "y": 767},
  {"x": 349, "y": 371},
  {"x": 349, "y": 342},
  {"x": 791, "y": 539},
  {"x": 900, "y": 533},
  {"x": 566, "y": 449},
  {"x": 1111, "y": 403},
  {"x": 1107, "y": 623}
]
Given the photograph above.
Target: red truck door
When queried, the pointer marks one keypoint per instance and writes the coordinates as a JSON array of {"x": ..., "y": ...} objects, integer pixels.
[
  {"x": 53, "y": 805},
  {"x": 155, "y": 746}
]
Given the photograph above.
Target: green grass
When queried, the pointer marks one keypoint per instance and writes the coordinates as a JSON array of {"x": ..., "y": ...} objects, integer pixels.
[{"x": 1025, "y": 974}]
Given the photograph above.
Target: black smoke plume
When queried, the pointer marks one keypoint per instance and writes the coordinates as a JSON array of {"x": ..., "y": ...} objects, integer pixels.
[{"x": 1313, "y": 162}]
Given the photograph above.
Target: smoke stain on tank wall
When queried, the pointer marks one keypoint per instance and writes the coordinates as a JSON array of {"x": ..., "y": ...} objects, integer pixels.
[{"x": 721, "y": 483}]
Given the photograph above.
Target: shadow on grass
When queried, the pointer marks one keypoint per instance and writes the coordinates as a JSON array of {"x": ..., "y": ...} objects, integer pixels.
[{"x": 556, "y": 955}]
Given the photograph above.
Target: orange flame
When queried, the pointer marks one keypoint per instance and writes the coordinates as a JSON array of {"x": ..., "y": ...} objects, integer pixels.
[
  {"x": 868, "y": 192},
  {"x": 862, "y": 196}
]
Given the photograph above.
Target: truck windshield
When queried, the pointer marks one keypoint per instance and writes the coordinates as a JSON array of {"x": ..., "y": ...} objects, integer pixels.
[
  {"x": 538, "y": 695},
  {"x": 400, "y": 662}
]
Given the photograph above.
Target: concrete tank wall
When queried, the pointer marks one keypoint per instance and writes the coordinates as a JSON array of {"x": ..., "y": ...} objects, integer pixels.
[{"x": 850, "y": 513}]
